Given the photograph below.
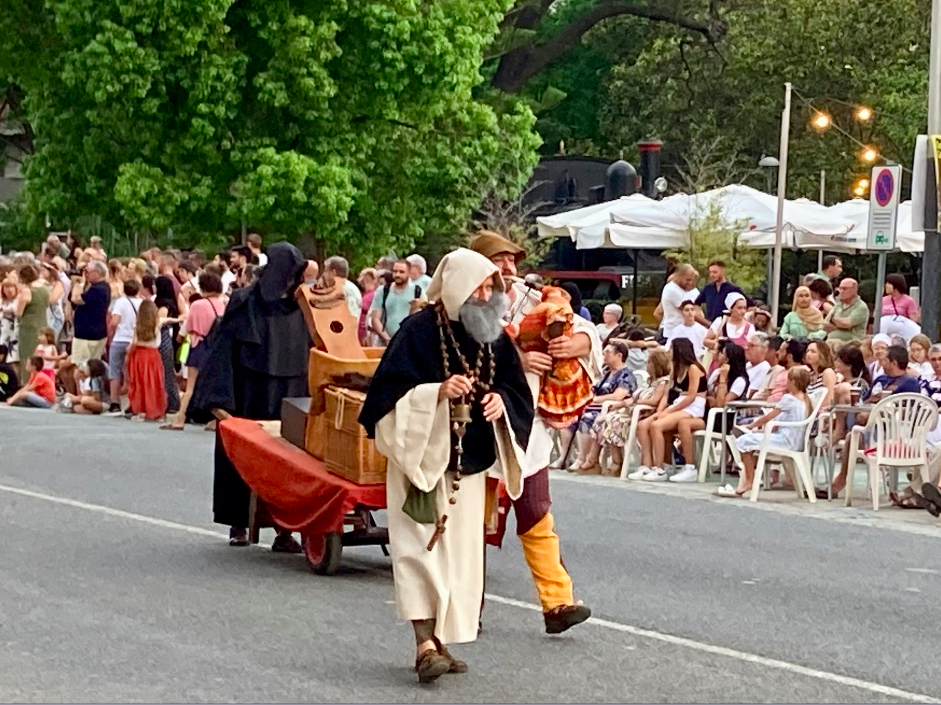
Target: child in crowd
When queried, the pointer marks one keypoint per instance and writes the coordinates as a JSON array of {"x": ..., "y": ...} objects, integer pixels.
[
  {"x": 795, "y": 406},
  {"x": 46, "y": 349},
  {"x": 146, "y": 391},
  {"x": 39, "y": 391},
  {"x": 93, "y": 389}
]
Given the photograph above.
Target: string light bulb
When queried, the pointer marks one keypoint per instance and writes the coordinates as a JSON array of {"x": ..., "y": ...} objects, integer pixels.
[
  {"x": 821, "y": 121},
  {"x": 869, "y": 154},
  {"x": 864, "y": 114}
]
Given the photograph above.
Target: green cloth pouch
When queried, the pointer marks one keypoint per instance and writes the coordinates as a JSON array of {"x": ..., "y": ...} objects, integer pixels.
[{"x": 420, "y": 506}]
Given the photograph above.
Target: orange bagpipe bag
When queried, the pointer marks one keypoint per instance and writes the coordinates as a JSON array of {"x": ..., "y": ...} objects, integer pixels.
[{"x": 565, "y": 390}]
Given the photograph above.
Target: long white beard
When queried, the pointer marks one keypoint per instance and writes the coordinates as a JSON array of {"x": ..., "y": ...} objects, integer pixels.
[{"x": 483, "y": 320}]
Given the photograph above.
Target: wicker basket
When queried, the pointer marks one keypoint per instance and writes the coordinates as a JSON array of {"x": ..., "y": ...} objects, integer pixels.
[{"x": 346, "y": 450}]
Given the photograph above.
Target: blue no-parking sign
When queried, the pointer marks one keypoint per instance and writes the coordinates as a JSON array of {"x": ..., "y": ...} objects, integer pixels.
[{"x": 884, "y": 188}]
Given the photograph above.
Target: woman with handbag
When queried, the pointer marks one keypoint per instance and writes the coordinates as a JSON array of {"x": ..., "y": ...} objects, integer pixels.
[
  {"x": 900, "y": 314},
  {"x": 732, "y": 326}
]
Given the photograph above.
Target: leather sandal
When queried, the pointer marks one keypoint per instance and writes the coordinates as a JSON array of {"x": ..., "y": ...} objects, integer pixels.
[
  {"x": 456, "y": 665},
  {"x": 564, "y": 617},
  {"x": 431, "y": 665}
]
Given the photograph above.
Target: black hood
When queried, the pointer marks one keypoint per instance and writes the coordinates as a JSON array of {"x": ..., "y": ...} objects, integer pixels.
[{"x": 283, "y": 272}]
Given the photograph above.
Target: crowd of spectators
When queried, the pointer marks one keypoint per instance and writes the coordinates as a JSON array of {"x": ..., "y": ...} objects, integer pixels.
[
  {"x": 715, "y": 346},
  {"x": 84, "y": 333}
]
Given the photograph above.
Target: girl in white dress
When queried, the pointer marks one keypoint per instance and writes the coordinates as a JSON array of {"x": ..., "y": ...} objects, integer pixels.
[{"x": 795, "y": 406}]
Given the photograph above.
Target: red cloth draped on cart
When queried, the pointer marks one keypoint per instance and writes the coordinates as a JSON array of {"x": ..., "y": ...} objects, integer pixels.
[{"x": 299, "y": 492}]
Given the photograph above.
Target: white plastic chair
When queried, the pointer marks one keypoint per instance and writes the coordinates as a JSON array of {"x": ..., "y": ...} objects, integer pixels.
[
  {"x": 643, "y": 379},
  {"x": 631, "y": 447},
  {"x": 898, "y": 425},
  {"x": 801, "y": 458},
  {"x": 711, "y": 450}
]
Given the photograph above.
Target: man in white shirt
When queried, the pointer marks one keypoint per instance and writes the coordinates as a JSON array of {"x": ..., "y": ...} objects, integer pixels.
[
  {"x": 689, "y": 328},
  {"x": 339, "y": 268},
  {"x": 758, "y": 366},
  {"x": 681, "y": 287},
  {"x": 123, "y": 321}
]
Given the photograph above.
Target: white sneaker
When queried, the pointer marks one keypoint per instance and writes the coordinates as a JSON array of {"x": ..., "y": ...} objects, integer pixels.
[
  {"x": 687, "y": 474},
  {"x": 640, "y": 473},
  {"x": 656, "y": 475}
]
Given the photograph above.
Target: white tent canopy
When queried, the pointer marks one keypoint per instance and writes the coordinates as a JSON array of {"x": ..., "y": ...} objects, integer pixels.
[
  {"x": 857, "y": 210},
  {"x": 641, "y": 223},
  {"x": 588, "y": 226},
  {"x": 806, "y": 224}
]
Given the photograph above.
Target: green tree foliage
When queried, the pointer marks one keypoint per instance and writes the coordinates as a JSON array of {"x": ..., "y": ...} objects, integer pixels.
[
  {"x": 713, "y": 236},
  {"x": 838, "y": 55},
  {"x": 351, "y": 121}
]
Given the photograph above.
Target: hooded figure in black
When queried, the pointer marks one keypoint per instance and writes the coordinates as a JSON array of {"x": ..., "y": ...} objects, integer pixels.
[{"x": 259, "y": 356}]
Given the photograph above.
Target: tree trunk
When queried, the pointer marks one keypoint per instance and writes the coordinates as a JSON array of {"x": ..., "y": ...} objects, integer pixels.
[{"x": 518, "y": 66}]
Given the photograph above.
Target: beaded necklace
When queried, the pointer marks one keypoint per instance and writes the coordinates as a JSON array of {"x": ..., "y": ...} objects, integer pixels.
[{"x": 460, "y": 408}]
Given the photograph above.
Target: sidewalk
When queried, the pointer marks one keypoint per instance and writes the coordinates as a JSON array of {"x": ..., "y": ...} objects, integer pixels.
[{"x": 914, "y": 521}]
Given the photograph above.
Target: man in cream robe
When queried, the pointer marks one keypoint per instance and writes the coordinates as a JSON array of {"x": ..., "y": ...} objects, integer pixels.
[
  {"x": 535, "y": 524},
  {"x": 408, "y": 411}
]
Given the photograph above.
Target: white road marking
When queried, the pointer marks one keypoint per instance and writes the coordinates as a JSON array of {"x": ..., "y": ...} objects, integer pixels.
[
  {"x": 499, "y": 599},
  {"x": 113, "y": 512},
  {"x": 926, "y": 571},
  {"x": 738, "y": 655}
]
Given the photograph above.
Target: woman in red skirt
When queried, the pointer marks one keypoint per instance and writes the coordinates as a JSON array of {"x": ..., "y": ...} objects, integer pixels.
[{"x": 145, "y": 388}]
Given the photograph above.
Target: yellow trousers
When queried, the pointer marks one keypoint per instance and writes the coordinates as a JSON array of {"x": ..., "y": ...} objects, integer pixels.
[{"x": 541, "y": 548}]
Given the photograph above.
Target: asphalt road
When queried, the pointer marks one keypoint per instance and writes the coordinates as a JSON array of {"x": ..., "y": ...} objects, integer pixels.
[{"x": 116, "y": 587}]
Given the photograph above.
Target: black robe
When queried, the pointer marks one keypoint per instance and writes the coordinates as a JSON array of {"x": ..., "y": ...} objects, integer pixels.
[
  {"x": 257, "y": 358},
  {"x": 414, "y": 357}
]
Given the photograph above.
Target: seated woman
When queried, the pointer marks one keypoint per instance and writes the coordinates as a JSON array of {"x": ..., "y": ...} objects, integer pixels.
[
  {"x": 804, "y": 320},
  {"x": 733, "y": 326},
  {"x": 612, "y": 429},
  {"x": 819, "y": 358},
  {"x": 852, "y": 381},
  {"x": 681, "y": 412},
  {"x": 794, "y": 407},
  {"x": 918, "y": 365},
  {"x": 879, "y": 345},
  {"x": 729, "y": 382},
  {"x": 617, "y": 385}
]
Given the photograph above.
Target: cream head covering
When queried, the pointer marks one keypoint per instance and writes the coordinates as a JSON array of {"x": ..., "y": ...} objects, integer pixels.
[{"x": 457, "y": 277}]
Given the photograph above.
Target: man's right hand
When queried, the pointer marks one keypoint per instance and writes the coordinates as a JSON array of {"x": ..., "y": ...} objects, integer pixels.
[
  {"x": 536, "y": 362},
  {"x": 454, "y": 387}
]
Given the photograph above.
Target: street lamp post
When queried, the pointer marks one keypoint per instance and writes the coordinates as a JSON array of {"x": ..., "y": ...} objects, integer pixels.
[
  {"x": 823, "y": 202},
  {"x": 782, "y": 189},
  {"x": 769, "y": 165}
]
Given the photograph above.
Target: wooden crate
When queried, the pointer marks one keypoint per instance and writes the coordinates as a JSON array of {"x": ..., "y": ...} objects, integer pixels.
[
  {"x": 323, "y": 367},
  {"x": 346, "y": 450}
]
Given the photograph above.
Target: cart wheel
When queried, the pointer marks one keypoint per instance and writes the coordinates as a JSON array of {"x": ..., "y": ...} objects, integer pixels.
[{"x": 323, "y": 552}]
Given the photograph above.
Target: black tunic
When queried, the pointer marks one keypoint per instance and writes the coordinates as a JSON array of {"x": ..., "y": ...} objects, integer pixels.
[
  {"x": 414, "y": 357},
  {"x": 258, "y": 357}
]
